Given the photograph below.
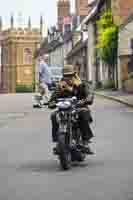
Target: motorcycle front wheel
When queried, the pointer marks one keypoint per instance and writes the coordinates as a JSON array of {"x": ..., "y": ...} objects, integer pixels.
[
  {"x": 65, "y": 154},
  {"x": 65, "y": 160}
]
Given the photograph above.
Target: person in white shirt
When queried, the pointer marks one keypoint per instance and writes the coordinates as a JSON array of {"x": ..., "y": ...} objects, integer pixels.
[{"x": 44, "y": 76}]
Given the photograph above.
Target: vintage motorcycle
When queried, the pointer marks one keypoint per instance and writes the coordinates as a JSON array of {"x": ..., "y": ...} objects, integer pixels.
[{"x": 69, "y": 146}]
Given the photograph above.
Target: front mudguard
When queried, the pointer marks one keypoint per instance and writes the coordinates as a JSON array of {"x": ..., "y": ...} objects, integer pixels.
[{"x": 64, "y": 152}]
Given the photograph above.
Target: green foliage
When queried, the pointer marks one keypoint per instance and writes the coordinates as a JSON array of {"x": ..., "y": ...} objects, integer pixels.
[
  {"x": 109, "y": 84},
  {"x": 106, "y": 20},
  {"x": 108, "y": 39},
  {"x": 21, "y": 88},
  {"x": 130, "y": 76},
  {"x": 99, "y": 85}
]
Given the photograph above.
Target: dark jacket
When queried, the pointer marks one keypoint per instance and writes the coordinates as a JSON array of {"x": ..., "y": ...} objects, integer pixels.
[{"x": 82, "y": 92}]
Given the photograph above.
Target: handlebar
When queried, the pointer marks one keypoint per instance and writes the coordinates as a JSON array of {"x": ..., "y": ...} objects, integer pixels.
[{"x": 67, "y": 99}]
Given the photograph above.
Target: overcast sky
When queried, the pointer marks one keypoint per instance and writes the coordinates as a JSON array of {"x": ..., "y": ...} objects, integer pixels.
[{"x": 22, "y": 9}]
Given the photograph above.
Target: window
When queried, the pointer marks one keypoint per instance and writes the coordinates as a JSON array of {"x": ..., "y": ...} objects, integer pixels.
[{"x": 27, "y": 56}]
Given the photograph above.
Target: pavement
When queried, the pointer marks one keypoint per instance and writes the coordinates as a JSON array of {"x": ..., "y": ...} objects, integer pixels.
[
  {"x": 119, "y": 96},
  {"x": 29, "y": 170}
]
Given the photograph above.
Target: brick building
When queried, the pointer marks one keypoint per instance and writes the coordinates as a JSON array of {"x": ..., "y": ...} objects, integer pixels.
[
  {"x": 63, "y": 10},
  {"x": 81, "y": 7},
  {"x": 121, "y": 9}
]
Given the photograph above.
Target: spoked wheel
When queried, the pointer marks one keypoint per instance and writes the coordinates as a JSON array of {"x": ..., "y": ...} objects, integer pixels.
[{"x": 65, "y": 157}]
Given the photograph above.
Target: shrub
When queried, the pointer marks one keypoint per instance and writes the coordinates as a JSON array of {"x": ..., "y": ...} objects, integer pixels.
[
  {"x": 99, "y": 85},
  {"x": 109, "y": 84},
  {"x": 107, "y": 39},
  {"x": 130, "y": 76},
  {"x": 20, "y": 88}
]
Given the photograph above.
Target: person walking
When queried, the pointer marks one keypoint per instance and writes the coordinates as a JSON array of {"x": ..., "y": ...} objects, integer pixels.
[{"x": 44, "y": 76}]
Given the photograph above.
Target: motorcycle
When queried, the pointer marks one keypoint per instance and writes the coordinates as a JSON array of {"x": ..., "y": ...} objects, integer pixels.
[{"x": 69, "y": 146}]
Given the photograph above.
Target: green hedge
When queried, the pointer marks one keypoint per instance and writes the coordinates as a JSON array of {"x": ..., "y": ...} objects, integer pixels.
[
  {"x": 109, "y": 84},
  {"x": 20, "y": 88},
  {"x": 130, "y": 76},
  {"x": 99, "y": 85}
]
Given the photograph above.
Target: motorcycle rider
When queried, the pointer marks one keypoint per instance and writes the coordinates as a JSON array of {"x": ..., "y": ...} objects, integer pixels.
[{"x": 69, "y": 86}]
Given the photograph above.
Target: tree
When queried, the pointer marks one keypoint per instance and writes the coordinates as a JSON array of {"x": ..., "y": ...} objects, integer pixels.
[{"x": 108, "y": 41}]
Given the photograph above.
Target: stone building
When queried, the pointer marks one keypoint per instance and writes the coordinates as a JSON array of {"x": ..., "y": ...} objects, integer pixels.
[
  {"x": 78, "y": 57},
  {"x": 67, "y": 45},
  {"x": 125, "y": 50},
  {"x": 17, "y": 51},
  {"x": 54, "y": 48},
  {"x": 96, "y": 71},
  {"x": 123, "y": 17},
  {"x": 0, "y": 49}
]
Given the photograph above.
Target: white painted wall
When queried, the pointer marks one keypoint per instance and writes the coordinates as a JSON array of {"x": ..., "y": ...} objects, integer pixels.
[
  {"x": 67, "y": 47},
  {"x": 57, "y": 57},
  {"x": 91, "y": 67},
  {"x": 125, "y": 36}
]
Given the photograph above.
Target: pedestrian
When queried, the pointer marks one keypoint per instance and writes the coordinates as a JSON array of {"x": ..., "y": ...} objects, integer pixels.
[{"x": 44, "y": 76}]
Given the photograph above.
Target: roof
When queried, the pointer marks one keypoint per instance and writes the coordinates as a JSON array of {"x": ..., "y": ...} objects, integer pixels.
[
  {"x": 91, "y": 2},
  {"x": 41, "y": 50},
  {"x": 93, "y": 11},
  {"x": 47, "y": 47},
  {"x": 53, "y": 45}
]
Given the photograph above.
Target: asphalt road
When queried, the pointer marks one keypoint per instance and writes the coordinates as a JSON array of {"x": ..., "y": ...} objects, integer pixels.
[{"x": 29, "y": 171}]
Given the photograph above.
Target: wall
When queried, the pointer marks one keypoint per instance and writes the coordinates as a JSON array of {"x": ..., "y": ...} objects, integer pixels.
[
  {"x": 81, "y": 7},
  {"x": 125, "y": 36},
  {"x": 121, "y": 9},
  {"x": 63, "y": 10},
  {"x": 91, "y": 71},
  {"x": 124, "y": 51},
  {"x": 67, "y": 48},
  {"x": 57, "y": 57}
]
